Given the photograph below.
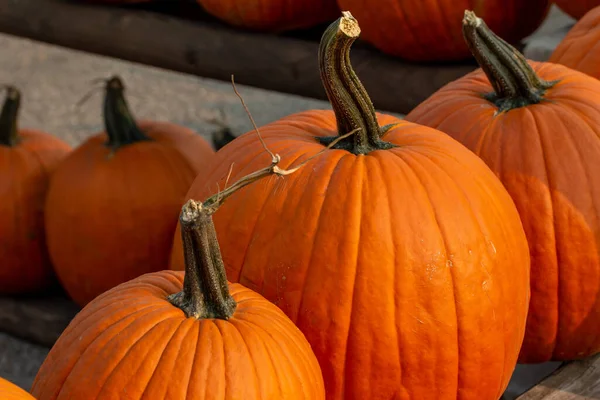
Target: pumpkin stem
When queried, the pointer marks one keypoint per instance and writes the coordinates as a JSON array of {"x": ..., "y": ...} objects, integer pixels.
[
  {"x": 119, "y": 123},
  {"x": 351, "y": 104},
  {"x": 205, "y": 289},
  {"x": 9, "y": 134},
  {"x": 515, "y": 83}
]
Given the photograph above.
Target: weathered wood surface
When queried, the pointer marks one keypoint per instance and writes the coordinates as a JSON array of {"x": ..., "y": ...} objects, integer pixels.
[
  {"x": 575, "y": 381},
  {"x": 211, "y": 49},
  {"x": 39, "y": 320}
]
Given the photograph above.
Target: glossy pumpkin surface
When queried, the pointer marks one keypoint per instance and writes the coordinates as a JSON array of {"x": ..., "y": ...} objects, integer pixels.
[
  {"x": 27, "y": 160},
  {"x": 401, "y": 257},
  {"x": 580, "y": 49},
  {"x": 111, "y": 211},
  {"x": 431, "y": 30},
  {"x": 546, "y": 153}
]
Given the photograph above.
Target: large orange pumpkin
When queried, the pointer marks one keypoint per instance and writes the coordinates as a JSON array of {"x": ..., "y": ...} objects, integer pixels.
[
  {"x": 577, "y": 8},
  {"x": 537, "y": 126},
  {"x": 272, "y": 15},
  {"x": 27, "y": 159},
  {"x": 398, "y": 253},
  {"x": 430, "y": 30},
  {"x": 166, "y": 336},
  {"x": 112, "y": 204},
  {"x": 579, "y": 49},
  {"x": 9, "y": 391}
]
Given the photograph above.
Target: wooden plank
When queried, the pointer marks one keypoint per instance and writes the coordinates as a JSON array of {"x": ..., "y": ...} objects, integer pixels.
[
  {"x": 39, "y": 320},
  {"x": 209, "y": 49},
  {"x": 577, "y": 380}
]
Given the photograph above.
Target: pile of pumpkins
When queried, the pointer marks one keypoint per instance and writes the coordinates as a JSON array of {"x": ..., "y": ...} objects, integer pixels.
[{"x": 369, "y": 257}]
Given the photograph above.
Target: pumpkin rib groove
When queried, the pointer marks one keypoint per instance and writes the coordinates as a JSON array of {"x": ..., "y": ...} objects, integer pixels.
[
  {"x": 150, "y": 350},
  {"x": 194, "y": 364},
  {"x": 273, "y": 192},
  {"x": 554, "y": 230},
  {"x": 395, "y": 247},
  {"x": 234, "y": 324},
  {"x": 259, "y": 215},
  {"x": 177, "y": 358},
  {"x": 574, "y": 111},
  {"x": 442, "y": 235},
  {"x": 318, "y": 219},
  {"x": 128, "y": 351},
  {"x": 358, "y": 205},
  {"x": 132, "y": 319},
  {"x": 260, "y": 332},
  {"x": 167, "y": 343}
]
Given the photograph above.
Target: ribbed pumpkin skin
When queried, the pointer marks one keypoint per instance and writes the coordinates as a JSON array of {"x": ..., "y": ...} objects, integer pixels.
[
  {"x": 406, "y": 269},
  {"x": 272, "y": 15},
  {"x": 431, "y": 30},
  {"x": 577, "y": 8},
  {"x": 25, "y": 171},
  {"x": 580, "y": 49},
  {"x": 547, "y": 157},
  {"x": 9, "y": 391},
  {"x": 132, "y": 343},
  {"x": 110, "y": 219}
]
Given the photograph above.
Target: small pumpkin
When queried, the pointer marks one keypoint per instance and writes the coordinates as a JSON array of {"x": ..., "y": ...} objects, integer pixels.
[
  {"x": 27, "y": 160},
  {"x": 113, "y": 202},
  {"x": 272, "y": 15},
  {"x": 536, "y": 126},
  {"x": 430, "y": 30},
  {"x": 397, "y": 252},
  {"x": 577, "y": 8},
  {"x": 169, "y": 336},
  {"x": 578, "y": 50},
  {"x": 10, "y": 391}
]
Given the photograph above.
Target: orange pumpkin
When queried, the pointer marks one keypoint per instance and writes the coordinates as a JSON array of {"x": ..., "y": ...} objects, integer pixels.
[
  {"x": 430, "y": 30},
  {"x": 27, "y": 159},
  {"x": 536, "y": 126},
  {"x": 112, "y": 204},
  {"x": 578, "y": 49},
  {"x": 9, "y": 391},
  {"x": 272, "y": 15},
  {"x": 577, "y": 8},
  {"x": 166, "y": 336},
  {"x": 398, "y": 253}
]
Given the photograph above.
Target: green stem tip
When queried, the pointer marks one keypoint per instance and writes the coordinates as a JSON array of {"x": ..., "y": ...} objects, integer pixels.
[
  {"x": 515, "y": 83},
  {"x": 120, "y": 125},
  {"x": 351, "y": 104}
]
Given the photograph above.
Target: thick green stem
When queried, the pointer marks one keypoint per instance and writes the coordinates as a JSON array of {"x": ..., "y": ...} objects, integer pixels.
[
  {"x": 9, "y": 133},
  {"x": 351, "y": 104},
  {"x": 119, "y": 123},
  {"x": 205, "y": 289},
  {"x": 515, "y": 83}
]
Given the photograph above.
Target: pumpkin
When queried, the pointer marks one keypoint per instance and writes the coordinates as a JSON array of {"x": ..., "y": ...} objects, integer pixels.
[
  {"x": 27, "y": 160},
  {"x": 536, "y": 126},
  {"x": 578, "y": 49},
  {"x": 577, "y": 8},
  {"x": 113, "y": 202},
  {"x": 272, "y": 15},
  {"x": 430, "y": 31},
  {"x": 397, "y": 252},
  {"x": 9, "y": 391},
  {"x": 166, "y": 335}
]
